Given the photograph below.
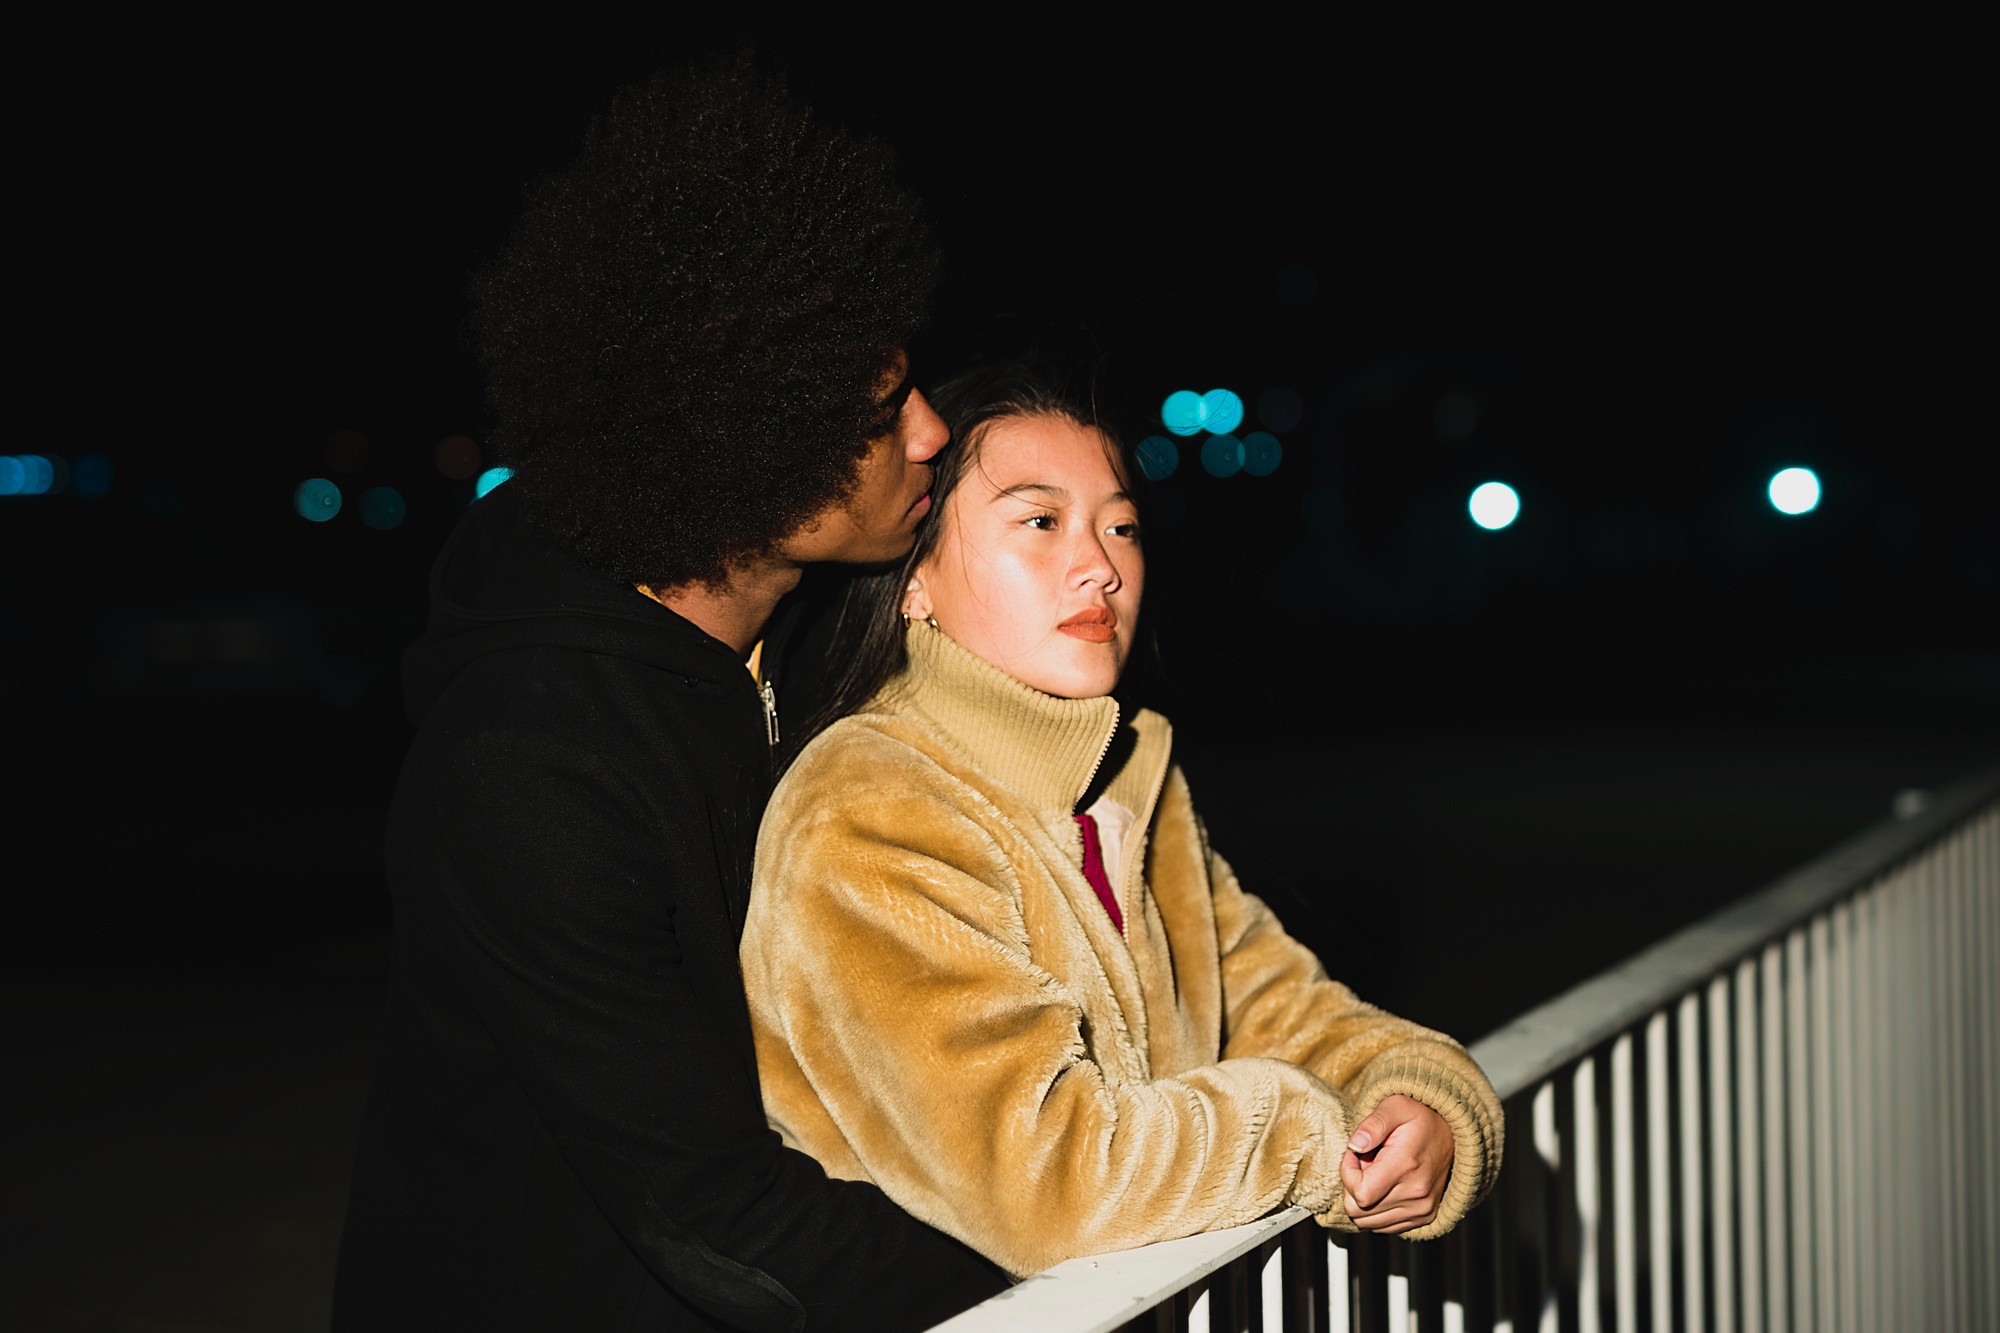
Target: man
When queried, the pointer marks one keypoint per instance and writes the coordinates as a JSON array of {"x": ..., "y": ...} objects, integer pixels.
[{"x": 693, "y": 344}]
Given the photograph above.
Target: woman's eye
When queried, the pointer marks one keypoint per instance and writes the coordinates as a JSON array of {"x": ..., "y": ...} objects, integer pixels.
[
  {"x": 1043, "y": 522},
  {"x": 1130, "y": 530}
]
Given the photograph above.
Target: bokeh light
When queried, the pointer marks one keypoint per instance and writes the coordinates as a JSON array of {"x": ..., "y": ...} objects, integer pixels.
[
  {"x": 316, "y": 499},
  {"x": 1182, "y": 413},
  {"x": 31, "y": 474},
  {"x": 490, "y": 478},
  {"x": 1494, "y": 505},
  {"x": 1221, "y": 411},
  {"x": 1261, "y": 453},
  {"x": 91, "y": 475},
  {"x": 1158, "y": 457},
  {"x": 457, "y": 456},
  {"x": 1222, "y": 455},
  {"x": 1280, "y": 409},
  {"x": 1794, "y": 490},
  {"x": 382, "y": 507}
]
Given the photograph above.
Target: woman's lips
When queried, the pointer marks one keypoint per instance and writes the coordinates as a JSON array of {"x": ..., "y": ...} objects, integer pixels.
[{"x": 1096, "y": 625}]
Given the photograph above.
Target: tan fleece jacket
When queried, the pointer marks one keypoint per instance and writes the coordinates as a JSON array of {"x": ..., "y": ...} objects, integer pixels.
[{"x": 942, "y": 1005}]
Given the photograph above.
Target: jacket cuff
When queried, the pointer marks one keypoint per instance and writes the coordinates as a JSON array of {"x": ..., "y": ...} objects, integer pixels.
[{"x": 1450, "y": 1083}]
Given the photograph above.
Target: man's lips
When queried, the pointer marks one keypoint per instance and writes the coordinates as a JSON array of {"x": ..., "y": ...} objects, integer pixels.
[
  {"x": 921, "y": 505},
  {"x": 1096, "y": 624}
]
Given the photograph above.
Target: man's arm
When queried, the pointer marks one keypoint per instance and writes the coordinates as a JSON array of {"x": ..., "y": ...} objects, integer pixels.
[{"x": 587, "y": 930}]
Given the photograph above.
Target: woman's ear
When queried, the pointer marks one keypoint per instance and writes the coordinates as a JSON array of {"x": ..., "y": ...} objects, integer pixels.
[{"x": 916, "y": 602}]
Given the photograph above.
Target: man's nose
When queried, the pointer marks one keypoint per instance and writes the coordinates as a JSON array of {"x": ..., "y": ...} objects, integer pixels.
[{"x": 924, "y": 431}]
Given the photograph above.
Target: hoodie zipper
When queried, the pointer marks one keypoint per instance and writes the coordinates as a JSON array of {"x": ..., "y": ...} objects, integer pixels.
[{"x": 769, "y": 694}]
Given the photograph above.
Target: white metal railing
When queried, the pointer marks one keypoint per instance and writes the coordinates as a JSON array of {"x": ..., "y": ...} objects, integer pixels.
[{"x": 1785, "y": 1117}]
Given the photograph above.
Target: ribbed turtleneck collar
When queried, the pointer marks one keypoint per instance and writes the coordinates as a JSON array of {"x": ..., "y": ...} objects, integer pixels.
[{"x": 1044, "y": 749}]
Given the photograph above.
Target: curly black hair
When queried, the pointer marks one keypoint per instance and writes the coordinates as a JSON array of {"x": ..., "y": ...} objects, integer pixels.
[{"x": 684, "y": 337}]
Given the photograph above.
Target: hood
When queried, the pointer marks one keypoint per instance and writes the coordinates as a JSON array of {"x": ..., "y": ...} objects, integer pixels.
[{"x": 499, "y": 584}]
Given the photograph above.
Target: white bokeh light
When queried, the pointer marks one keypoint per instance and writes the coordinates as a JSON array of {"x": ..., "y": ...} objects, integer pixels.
[
  {"x": 1494, "y": 505},
  {"x": 1795, "y": 490}
]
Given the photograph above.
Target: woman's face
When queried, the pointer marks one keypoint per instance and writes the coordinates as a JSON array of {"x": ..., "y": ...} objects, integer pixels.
[{"x": 1038, "y": 567}]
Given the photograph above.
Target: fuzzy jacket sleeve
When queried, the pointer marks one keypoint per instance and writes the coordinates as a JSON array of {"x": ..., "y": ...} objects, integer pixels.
[
  {"x": 906, "y": 1034},
  {"x": 1278, "y": 1002}
]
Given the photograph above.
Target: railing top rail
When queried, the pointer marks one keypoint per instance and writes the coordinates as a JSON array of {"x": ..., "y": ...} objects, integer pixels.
[
  {"x": 1099, "y": 1293},
  {"x": 1528, "y": 1049}
]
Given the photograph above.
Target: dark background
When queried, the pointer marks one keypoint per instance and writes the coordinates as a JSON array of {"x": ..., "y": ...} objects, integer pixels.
[{"x": 1630, "y": 273}]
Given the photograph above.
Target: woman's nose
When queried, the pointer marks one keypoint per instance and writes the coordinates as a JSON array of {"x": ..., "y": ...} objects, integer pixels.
[{"x": 1092, "y": 563}]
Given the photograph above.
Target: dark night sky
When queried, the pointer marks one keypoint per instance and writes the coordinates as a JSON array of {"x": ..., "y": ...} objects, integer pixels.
[{"x": 1631, "y": 273}]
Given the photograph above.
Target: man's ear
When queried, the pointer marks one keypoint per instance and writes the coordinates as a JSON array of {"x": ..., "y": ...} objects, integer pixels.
[{"x": 916, "y": 602}]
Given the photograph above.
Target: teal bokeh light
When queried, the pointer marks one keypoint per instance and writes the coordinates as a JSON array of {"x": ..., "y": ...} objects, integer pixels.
[
  {"x": 1494, "y": 505},
  {"x": 1222, "y": 412},
  {"x": 382, "y": 507},
  {"x": 1794, "y": 491},
  {"x": 316, "y": 499},
  {"x": 1222, "y": 456},
  {"x": 490, "y": 478},
  {"x": 1158, "y": 457},
  {"x": 1182, "y": 413},
  {"x": 1261, "y": 453},
  {"x": 26, "y": 474}
]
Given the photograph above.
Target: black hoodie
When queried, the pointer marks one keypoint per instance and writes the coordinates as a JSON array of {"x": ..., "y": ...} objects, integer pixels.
[{"x": 566, "y": 1130}]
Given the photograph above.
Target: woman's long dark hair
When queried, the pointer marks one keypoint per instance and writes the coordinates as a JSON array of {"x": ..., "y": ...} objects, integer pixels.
[{"x": 867, "y": 647}]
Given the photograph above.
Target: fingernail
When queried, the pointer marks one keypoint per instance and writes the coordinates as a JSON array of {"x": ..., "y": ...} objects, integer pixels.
[{"x": 1360, "y": 1142}]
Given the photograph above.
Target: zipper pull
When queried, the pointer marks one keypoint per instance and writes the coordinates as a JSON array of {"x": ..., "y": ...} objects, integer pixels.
[{"x": 769, "y": 694}]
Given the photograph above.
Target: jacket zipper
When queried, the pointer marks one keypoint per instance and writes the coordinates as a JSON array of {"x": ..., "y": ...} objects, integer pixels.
[
  {"x": 1117, "y": 890},
  {"x": 769, "y": 694},
  {"x": 1103, "y": 750}
]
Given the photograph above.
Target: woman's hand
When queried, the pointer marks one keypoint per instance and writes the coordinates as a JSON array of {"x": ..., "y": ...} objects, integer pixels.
[{"x": 1396, "y": 1166}]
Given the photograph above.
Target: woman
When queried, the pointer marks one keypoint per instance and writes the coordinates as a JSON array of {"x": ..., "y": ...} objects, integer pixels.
[{"x": 994, "y": 966}]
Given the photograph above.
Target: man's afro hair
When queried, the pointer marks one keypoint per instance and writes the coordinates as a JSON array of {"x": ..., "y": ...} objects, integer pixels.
[{"x": 685, "y": 336}]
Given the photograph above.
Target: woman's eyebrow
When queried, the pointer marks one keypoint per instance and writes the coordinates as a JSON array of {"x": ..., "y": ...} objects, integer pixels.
[{"x": 1022, "y": 490}]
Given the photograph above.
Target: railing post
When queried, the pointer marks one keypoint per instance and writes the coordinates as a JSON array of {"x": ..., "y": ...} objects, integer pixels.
[
  {"x": 1840, "y": 981},
  {"x": 1771, "y": 1013},
  {"x": 1721, "y": 1210},
  {"x": 1694, "y": 1272},
  {"x": 1624, "y": 1191},
  {"x": 1871, "y": 1310},
  {"x": 1798, "y": 1104},
  {"x": 1659, "y": 1174},
  {"x": 1339, "y": 1288},
  {"x": 1748, "y": 1143}
]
